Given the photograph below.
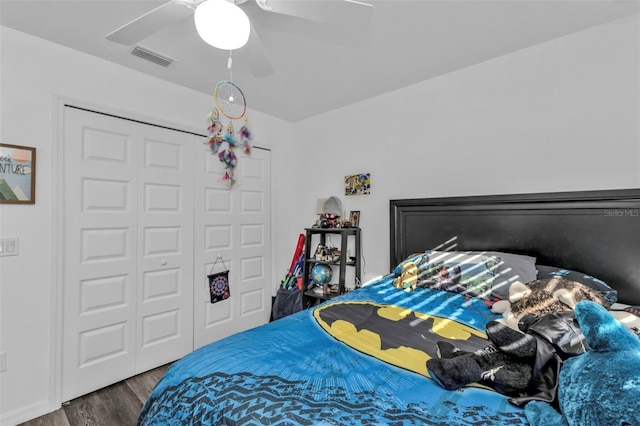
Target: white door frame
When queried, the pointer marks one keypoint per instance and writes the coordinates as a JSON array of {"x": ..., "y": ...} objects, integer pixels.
[{"x": 57, "y": 224}]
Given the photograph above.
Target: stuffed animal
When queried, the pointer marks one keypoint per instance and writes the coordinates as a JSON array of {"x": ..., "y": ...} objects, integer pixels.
[
  {"x": 601, "y": 386},
  {"x": 408, "y": 277},
  {"x": 543, "y": 296},
  {"x": 528, "y": 345},
  {"x": 505, "y": 366}
]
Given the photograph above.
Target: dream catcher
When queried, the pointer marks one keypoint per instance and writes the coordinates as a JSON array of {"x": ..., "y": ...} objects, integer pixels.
[{"x": 231, "y": 102}]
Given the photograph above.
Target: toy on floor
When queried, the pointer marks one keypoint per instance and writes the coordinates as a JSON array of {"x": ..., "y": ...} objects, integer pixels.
[{"x": 601, "y": 386}]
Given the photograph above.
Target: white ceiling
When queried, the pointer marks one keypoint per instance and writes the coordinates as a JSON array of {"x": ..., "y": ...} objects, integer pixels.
[{"x": 318, "y": 68}]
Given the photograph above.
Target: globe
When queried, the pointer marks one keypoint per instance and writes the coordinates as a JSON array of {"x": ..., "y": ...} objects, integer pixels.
[{"x": 321, "y": 274}]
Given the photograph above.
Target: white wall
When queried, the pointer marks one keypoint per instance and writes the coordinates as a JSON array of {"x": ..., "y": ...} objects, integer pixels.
[
  {"x": 560, "y": 116},
  {"x": 556, "y": 117},
  {"x": 34, "y": 74}
]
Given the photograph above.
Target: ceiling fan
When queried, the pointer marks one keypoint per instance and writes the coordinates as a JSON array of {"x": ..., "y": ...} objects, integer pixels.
[{"x": 335, "y": 13}]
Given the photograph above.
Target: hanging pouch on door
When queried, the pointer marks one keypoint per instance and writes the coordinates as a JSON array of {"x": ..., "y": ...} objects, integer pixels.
[{"x": 219, "y": 283}]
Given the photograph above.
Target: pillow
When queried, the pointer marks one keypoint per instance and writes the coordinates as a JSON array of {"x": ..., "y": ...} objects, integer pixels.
[
  {"x": 471, "y": 274},
  {"x": 416, "y": 258},
  {"x": 505, "y": 268},
  {"x": 601, "y": 287},
  {"x": 513, "y": 267}
]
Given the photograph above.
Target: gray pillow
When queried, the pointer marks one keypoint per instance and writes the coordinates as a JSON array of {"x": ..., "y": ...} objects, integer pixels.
[
  {"x": 514, "y": 267},
  {"x": 598, "y": 285}
]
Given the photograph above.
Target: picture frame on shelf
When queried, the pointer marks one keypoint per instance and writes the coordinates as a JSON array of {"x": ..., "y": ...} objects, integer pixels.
[{"x": 354, "y": 218}]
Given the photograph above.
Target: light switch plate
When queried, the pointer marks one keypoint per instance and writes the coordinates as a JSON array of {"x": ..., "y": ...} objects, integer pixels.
[{"x": 9, "y": 246}]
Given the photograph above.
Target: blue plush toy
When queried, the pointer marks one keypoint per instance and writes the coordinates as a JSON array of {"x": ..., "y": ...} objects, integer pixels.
[{"x": 600, "y": 386}]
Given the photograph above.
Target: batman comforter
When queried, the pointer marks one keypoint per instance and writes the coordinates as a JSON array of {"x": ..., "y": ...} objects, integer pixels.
[{"x": 358, "y": 359}]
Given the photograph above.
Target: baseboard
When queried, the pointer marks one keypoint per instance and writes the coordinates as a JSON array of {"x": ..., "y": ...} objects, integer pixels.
[{"x": 27, "y": 413}]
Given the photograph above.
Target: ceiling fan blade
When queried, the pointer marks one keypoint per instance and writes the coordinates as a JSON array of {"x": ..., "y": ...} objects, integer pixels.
[
  {"x": 259, "y": 63},
  {"x": 339, "y": 12},
  {"x": 152, "y": 21}
]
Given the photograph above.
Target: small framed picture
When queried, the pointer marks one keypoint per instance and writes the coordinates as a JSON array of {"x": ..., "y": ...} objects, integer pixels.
[
  {"x": 17, "y": 174},
  {"x": 359, "y": 184},
  {"x": 354, "y": 218}
]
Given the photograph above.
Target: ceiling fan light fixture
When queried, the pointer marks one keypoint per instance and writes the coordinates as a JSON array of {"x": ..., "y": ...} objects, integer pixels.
[{"x": 222, "y": 24}]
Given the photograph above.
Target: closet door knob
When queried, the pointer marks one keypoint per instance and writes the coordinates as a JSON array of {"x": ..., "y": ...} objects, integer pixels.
[{"x": 164, "y": 262}]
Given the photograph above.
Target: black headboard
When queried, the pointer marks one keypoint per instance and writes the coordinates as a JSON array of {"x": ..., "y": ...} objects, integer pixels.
[{"x": 595, "y": 232}]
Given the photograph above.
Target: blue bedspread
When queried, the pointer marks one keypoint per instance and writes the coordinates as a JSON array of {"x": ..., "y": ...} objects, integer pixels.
[{"x": 293, "y": 372}]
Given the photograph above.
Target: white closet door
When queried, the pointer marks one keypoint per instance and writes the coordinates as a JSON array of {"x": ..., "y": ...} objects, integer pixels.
[
  {"x": 128, "y": 269},
  {"x": 165, "y": 241},
  {"x": 236, "y": 225},
  {"x": 101, "y": 249}
]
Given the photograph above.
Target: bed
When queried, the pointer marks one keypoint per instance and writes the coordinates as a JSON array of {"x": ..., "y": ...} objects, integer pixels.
[{"x": 360, "y": 358}]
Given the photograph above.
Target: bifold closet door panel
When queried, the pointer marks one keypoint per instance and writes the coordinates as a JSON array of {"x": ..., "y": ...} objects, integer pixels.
[
  {"x": 165, "y": 240},
  {"x": 236, "y": 225},
  {"x": 128, "y": 244},
  {"x": 100, "y": 251}
]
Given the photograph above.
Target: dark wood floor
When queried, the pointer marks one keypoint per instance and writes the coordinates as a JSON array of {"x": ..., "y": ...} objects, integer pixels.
[{"x": 115, "y": 405}]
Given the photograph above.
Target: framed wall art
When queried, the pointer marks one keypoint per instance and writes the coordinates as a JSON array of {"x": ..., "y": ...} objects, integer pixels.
[
  {"x": 359, "y": 184},
  {"x": 17, "y": 174}
]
